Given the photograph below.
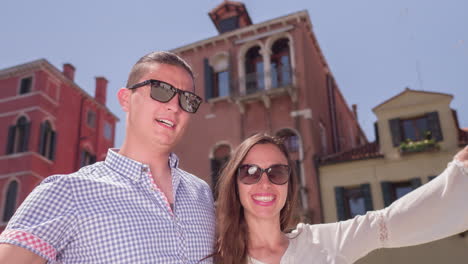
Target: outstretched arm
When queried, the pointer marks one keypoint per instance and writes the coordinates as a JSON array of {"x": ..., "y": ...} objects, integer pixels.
[
  {"x": 433, "y": 211},
  {"x": 463, "y": 156},
  {"x": 14, "y": 254}
]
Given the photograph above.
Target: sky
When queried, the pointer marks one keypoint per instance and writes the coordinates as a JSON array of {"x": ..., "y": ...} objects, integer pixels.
[{"x": 375, "y": 49}]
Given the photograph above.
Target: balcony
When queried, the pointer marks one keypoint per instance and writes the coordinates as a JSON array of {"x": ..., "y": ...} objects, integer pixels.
[
  {"x": 262, "y": 86},
  {"x": 426, "y": 145}
]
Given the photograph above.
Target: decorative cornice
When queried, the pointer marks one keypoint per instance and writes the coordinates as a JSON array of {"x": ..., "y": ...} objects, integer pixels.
[{"x": 242, "y": 31}]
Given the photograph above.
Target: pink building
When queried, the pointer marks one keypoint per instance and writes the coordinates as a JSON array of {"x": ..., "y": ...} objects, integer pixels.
[
  {"x": 266, "y": 77},
  {"x": 48, "y": 125}
]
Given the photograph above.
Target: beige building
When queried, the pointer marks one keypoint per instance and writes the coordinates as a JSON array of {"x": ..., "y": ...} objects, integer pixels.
[{"x": 417, "y": 134}]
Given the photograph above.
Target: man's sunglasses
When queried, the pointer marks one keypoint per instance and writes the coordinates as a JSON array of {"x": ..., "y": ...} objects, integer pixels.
[
  {"x": 250, "y": 174},
  {"x": 164, "y": 92}
]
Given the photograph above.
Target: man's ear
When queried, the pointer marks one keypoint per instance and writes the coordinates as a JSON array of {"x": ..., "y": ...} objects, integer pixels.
[{"x": 123, "y": 95}]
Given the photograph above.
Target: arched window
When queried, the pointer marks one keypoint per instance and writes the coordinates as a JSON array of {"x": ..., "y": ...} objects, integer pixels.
[
  {"x": 10, "y": 201},
  {"x": 280, "y": 64},
  {"x": 221, "y": 155},
  {"x": 254, "y": 70},
  {"x": 47, "y": 141},
  {"x": 18, "y": 136}
]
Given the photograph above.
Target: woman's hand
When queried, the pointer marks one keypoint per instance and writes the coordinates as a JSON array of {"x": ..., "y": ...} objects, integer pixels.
[{"x": 462, "y": 156}]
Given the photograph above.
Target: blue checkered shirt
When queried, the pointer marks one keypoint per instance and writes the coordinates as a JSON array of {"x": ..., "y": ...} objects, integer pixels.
[{"x": 109, "y": 212}]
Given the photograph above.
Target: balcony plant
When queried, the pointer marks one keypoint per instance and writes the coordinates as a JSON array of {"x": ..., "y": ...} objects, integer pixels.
[{"x": 427, "y": 144}]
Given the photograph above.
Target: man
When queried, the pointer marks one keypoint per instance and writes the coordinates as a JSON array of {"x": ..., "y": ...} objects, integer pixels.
[{"x": 137, "y": 206}]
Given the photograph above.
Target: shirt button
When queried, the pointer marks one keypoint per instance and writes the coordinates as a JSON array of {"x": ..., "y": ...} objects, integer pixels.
[{"x": 144, "y": 169}]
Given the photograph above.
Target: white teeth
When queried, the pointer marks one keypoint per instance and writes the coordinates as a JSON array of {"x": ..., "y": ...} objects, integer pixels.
[
  {"x": 263, "y": 198},
  {"x": 166, "y": 122}
]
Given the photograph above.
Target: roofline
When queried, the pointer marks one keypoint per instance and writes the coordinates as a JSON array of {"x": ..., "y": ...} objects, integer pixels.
[
  {"x": 238, "y": 32},
  {"x": 409, "y": 90},
  {"x": 46, "y": 65}
]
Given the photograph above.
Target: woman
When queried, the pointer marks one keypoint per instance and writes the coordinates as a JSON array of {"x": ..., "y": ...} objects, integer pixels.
[{"x": 257, "y": 193}]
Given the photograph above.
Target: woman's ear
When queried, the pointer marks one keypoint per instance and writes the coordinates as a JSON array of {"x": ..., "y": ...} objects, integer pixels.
[{"x": 123, "y": 95}]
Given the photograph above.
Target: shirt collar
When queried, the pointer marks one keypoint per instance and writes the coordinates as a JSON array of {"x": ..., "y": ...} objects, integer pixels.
[{"x": 131, "y": 168}]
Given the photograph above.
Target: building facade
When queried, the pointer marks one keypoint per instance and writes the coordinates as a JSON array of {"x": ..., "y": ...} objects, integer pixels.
[
  {"x": 265, "y": 77},
  {"x": 417, "y": 134},
  {"x": 48, "y": 125}
]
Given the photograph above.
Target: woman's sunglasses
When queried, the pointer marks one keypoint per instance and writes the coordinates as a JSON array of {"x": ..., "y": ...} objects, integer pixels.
[
  {"x": 250, "y": 174},
  {"x": 164, "y": 92}
]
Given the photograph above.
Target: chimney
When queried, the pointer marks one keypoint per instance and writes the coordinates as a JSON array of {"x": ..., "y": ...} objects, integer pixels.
[
  {"x": 101, "y": 90},
  {"x": 355, "y": 110},
  {"x": 69, "y": 71}
]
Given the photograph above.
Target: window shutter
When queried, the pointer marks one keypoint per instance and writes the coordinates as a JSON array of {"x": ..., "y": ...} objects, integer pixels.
[
  {"x": 11, "y": 139},
  {"x": 395, "y": 131},
  {"x": 42, "y": 139},
  {"x": 387, "y": 193},
  {"x": 415, "y": 183},
  {"x": 340, "y": 206},
  {"x": 434, "y": 126},
  {"x": 53, "y": 139},
  {"x": 208, "y": 80},
  {"x": 10, "y": 203},
  {"x": 376, "y": 132},
  {"x": 25, "y": 140},
  {"x": 366, "y": 192}
]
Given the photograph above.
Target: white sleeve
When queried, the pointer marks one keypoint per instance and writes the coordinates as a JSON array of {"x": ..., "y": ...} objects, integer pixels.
[
  {"x": 433, "y": 211},
  {"x": 436, "y": 210}
]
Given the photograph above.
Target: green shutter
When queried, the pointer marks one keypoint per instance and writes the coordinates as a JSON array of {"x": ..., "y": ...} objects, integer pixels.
[
  {"x": 434, "y": 126},
  {"x": 340, "y": 203},
  {"x": 387, "y": 192},
  {"x": 366, "y": 193},
  {"x": 395, "y": 131},
  {"x": 208, "y": 79}
]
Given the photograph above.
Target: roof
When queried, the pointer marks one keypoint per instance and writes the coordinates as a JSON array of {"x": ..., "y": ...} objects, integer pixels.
[
  {"x": 367, "y": 151},
  {"x": 407, "y": 91},
  {"x": 43, "y": 64}
]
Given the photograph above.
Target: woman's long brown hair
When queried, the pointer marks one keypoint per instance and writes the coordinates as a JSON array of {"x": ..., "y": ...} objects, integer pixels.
[{"x": 232, "y": 230}]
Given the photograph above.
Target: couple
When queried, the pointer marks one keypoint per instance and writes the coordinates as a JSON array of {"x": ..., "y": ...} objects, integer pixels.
[{"x": 138, "y": 206}]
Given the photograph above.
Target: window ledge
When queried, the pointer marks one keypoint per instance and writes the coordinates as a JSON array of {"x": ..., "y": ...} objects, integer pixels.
[{"x": 419, "y": 146}]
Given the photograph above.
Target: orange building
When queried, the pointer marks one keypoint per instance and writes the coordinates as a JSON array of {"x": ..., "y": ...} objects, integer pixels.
[
  {"x": 48, "y": 125},
  {"x": 266, "y": 77}
]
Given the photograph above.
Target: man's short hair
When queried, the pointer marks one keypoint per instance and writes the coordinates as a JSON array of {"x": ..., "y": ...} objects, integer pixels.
[{"x": 161, "y": 57}]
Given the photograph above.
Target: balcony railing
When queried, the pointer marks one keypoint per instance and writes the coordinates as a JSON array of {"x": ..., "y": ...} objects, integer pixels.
[
  {"x": 281, "y": 77},
  {"x": 254, "y": 82},
  {"x": 258, "y": 82}
]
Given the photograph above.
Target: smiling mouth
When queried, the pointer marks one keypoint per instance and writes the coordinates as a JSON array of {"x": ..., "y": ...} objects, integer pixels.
[
  {"x": 165, "y": 122},
  {"x": 263, "y": 198}
]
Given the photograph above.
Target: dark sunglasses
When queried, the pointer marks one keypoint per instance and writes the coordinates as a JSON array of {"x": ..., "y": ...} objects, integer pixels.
[
  {"x": 164, "y": 92},
  {"x": 250, "y": 174}
]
